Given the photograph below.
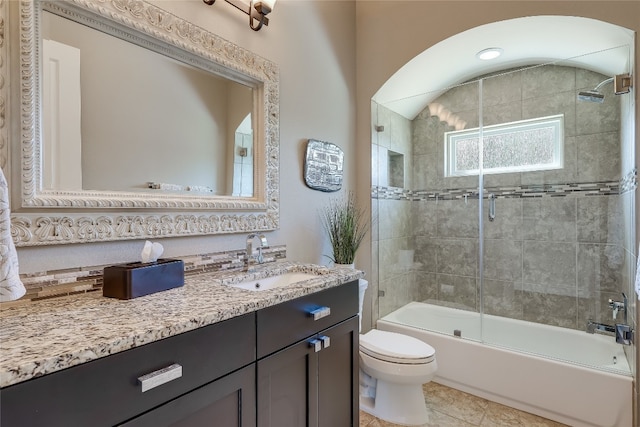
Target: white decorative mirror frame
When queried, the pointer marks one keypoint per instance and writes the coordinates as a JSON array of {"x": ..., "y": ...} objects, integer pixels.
[{"x": 47, "y": 217}]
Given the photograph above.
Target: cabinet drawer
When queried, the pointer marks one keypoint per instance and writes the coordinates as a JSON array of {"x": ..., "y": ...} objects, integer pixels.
[
  {"x": 227, "y": 402},
  {"x": 291, "y": 321},
  {"x": 106, "y": 391}
]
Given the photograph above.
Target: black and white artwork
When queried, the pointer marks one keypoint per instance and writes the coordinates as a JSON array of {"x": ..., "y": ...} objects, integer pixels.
[{"x": 323, "y": 166}]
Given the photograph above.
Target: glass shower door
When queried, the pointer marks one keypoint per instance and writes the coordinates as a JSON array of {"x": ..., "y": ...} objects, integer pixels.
[
  {"x": 557, "y": 217},
  {"x": 426, "y": 218}
]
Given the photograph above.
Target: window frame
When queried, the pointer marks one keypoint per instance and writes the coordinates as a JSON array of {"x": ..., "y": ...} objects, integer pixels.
[{"x": 452, "y": 137}]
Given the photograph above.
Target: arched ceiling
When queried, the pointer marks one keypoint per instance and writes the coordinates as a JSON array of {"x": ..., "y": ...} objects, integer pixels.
[{"x": 580, "y": 42}]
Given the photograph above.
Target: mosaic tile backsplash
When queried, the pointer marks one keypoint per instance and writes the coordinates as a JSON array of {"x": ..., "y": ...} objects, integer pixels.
[{"x": 58, "y": 283}]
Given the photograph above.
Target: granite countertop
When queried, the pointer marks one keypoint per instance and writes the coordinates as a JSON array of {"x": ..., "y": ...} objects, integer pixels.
[{"x": 52, "y": 335}]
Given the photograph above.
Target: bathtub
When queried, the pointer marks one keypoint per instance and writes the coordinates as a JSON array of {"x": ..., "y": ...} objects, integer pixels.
[{"x": 565, "y": 375}]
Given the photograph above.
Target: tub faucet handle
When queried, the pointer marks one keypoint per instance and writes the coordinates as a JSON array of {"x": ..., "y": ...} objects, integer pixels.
[{"x": 617, "y": 306}]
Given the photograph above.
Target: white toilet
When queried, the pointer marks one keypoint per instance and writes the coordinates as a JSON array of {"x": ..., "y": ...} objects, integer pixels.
[{"x": 393, "y": 368}]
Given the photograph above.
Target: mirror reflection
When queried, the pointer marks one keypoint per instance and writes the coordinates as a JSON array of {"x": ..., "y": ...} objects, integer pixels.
[{"x": 120, "y": 117}]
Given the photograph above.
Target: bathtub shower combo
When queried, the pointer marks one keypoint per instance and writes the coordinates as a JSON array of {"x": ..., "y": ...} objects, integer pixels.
[
  {"x": 504, "y": 238},
  {"x": 566, "y": 375}
]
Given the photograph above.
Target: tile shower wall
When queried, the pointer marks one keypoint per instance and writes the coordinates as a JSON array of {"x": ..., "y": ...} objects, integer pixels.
[
  {"x": 555, "y": 254},
  {"x": 393, "y": 219}
]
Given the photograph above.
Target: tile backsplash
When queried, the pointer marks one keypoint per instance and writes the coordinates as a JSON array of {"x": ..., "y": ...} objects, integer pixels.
[{"x": 58, "y": 283}]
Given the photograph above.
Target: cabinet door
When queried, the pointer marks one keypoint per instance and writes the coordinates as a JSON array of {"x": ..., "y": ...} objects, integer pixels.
[
  {"x": 338, "y": 376},
  {"x": 299, "y": 387},
  {"x": 288, "y": 388},
  {"x": 227, "y": 402}
]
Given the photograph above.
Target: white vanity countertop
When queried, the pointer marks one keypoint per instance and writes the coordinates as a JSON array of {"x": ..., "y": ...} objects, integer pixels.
[{"x": 51, "y": 335}]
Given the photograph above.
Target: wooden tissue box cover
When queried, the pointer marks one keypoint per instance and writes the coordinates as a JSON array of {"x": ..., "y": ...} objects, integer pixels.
[{"x": 126, "y": 281}]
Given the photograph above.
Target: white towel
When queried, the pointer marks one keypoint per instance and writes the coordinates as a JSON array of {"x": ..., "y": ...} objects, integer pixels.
[
  {"x": 11, "y": 287},
  {"x": 200, "y": 188},
  {"x": 638, "y": 275},
  {"x": 166, "y": 187}
]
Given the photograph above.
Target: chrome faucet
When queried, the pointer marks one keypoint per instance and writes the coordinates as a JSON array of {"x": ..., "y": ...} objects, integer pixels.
[{"x": 249, "y": 257}]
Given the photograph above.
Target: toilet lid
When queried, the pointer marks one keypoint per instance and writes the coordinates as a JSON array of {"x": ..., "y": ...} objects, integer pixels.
[{"x": 394, "y": 347}]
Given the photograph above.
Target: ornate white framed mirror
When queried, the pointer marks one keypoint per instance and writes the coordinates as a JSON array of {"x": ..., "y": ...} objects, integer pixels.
[{"x": 175, "y": 133}]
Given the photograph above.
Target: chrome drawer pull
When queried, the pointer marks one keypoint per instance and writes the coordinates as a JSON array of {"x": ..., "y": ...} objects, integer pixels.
[
  {"x": 159, "y": 377},
  {"x": 320, "y": 312}
]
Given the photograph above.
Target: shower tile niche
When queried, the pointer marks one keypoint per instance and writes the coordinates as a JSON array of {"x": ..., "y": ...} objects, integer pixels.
[
  {"x": 389, "y": 167},
  {"x": 395, "y": 169}
]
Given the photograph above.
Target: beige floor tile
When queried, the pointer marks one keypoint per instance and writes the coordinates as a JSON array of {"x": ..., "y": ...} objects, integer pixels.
[
  {"x": 371, "y": 421},
  {"x": 438, "y": 419},
  {"x": 455, "y": 403},
  {"x": 498, "y": 415},
  {"x": 453, "y": 408},
  {"x": 365, "y": 419},
  {"x": 382, "y": 423}
]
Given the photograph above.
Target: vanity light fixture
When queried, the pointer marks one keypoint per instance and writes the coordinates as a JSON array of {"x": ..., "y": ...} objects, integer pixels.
[
  {"x": 257, "y": 10},
  {"x": 489, "y": 53}
]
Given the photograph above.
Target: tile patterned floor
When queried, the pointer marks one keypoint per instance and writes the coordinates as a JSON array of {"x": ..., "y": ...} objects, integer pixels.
[{"x": 452, "y": 408}]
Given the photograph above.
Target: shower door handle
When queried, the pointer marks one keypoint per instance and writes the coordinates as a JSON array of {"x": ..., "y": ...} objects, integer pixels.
[{"x": 492, "y": 206}]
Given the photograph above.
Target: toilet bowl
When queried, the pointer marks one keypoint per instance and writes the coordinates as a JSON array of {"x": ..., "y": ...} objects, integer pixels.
[{"x": 393, "y": 368}]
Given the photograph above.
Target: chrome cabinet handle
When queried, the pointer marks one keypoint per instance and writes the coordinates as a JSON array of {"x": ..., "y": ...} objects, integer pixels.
[
  {"x": 320, "y": 312},
  {"x": 316, "y": 344},
  {"x": 320, "y": 343},
  {"x": 159, "y": 377},
  {"x": 326, "y": 341}
]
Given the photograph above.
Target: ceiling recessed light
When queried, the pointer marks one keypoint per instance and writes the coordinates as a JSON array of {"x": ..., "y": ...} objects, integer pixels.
[{"x": 489, "y": 53}]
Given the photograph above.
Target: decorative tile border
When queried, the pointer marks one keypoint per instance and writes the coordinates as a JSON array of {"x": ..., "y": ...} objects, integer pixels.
[
  {"x": 603, "y": 188},
  {"x": 59, "y": 283}
]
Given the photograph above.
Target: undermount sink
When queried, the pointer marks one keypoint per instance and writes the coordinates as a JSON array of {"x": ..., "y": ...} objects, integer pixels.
[{"x": 272, "y": 282}]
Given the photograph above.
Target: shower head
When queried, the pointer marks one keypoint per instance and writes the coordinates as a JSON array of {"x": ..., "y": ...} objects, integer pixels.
[{"x": 594, "y": 95}]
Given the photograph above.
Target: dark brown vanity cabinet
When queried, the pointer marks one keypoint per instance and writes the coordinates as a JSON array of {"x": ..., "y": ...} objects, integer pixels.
[
  {"x": 289, "y": 365},
  {"x": 311, "y": 381}
]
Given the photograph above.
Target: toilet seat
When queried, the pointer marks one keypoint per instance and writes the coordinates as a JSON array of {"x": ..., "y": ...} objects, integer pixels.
[{"x": 396, "y": 348}]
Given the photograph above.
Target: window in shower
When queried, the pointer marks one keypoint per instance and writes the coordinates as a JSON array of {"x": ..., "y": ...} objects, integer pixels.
[{"x": 522, "y": 146}]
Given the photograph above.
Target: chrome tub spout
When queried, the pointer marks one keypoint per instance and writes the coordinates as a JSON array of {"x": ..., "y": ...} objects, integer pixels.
[{"x": 600, "y": 328}]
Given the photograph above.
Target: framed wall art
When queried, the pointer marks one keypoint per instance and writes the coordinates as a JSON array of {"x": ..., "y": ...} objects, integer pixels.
[{"x": 323, "y": 166}]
